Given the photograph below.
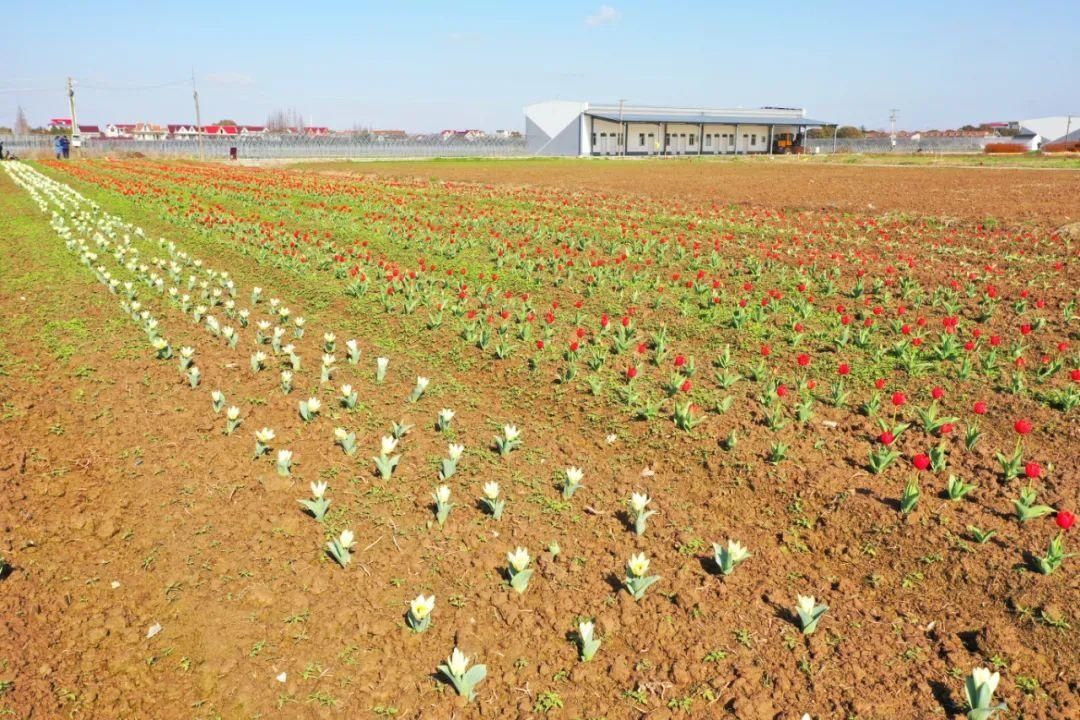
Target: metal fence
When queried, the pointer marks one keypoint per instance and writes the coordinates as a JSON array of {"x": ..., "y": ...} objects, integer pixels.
[
  {"x": 329, "y": 146},
  {"x": 904, "y": 146}
]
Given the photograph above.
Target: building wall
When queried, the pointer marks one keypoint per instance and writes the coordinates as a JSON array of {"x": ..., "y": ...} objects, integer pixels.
[
  {"x": 605, "y": 138},
  {"x": 555, "y": 128}
]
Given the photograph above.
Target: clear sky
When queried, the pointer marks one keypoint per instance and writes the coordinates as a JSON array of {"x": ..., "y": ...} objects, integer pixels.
[{"x": 421, "y": 65}]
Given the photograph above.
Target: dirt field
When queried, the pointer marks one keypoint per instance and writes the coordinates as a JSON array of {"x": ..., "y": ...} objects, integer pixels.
[
  {"x": 1004, "y": 193},
  {"x": 159, "y": 570}
]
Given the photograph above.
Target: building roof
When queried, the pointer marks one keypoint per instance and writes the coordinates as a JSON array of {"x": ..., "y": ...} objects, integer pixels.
[{"x": 705, "y": 118}]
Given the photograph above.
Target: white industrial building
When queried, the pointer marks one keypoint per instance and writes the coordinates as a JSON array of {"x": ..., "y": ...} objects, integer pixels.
[
  {"x": 579, "y": 128},
  {"x": 1053, "y": 129}
]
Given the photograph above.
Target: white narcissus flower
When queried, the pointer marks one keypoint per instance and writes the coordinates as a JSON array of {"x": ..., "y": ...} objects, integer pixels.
[
  {"x": 510, "y": 432},
  {"x": 265, "y": 436},
  {"x": 638, "y": 564},
  {"x": 422, "y": 606},
  {"x": 347, "y": 539},
  {"x": 638, "y": 501},
  {"x": 454, "y": 451},
  {"x": 458, "y": 663},
  {"x": 574, "y": 475},
  {"x": 491, "y": 490},
  {"x": 318, "y": 489},
  {"x": 442, "y": 494},
  {"x": 388, "y": 444},
  {"x": 233, "y": 412},
  {"x": 805, "y": 604},
  {"x": 519, "y": 559}
]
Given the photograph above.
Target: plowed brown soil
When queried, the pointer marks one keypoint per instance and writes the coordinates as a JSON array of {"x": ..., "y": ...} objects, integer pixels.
[
  {"x": 1041, "y": 195},
  {"x": 125, "y": 505}
]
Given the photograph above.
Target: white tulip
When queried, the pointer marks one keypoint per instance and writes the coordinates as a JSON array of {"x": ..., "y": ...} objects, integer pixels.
[
  {"x": 519, "y": 559},
  {"x": 805, "y": 604},
  {"x": 442, "y": 494},
  {"x": 638, "y": 501},
  {"x": 232, "y": 413},
  {"x": 388, "y": 444},
  {"x": 511, "y": 432},
  {"x": 265, "y": 436},
  {"x": 347, "y": 539},
  {"x": 574, "y": 475},
  {"x": 458, "y": 663},
  {"x": 454, "y": 451},
  {"x": 422, "y": 606},
  {"x": 638, "y": 564},
  {"x": 491, "y": 490},
  {"x": 314, "y": 405},
  {"x": 318, "y": 489},
  {"x": 982, "y": 676}
]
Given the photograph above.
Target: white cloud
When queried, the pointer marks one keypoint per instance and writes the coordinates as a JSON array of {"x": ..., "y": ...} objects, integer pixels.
[{"x": 606, "y": 14}]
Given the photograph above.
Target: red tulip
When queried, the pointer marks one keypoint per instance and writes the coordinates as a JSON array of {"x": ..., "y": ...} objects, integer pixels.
[
  {"x": 1023, "y": 426},
  {"x": 680, "y": 360},
  {"x": 781, "y": 390},
  {"x": 1032, "y": 470},
  {"x": 685, "y": 387},
  {"x": 886, "y": 438},
  {"x": 844, "y": 369},
  {"x": 765, "y": 351},
  {"x": 539, "y": 344},
  {"x": 937, "y": 393},
  {"x": 631, "y": 372},
  {"x": 803, "y": 359},
  {"x": 1064, "y": 519},
  {"x": 879, "y": 383},
  {"x": 899, "y": 398},
  {"x": 979, "y": 408},
  {"x": 946, "y": 429},
  {"x": 921, "y": 461}
]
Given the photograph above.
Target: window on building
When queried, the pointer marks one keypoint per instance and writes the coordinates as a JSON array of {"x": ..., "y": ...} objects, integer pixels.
[
  {"x": 753, "y": 139},
  {"x": 641, "y": 139},
  {"x": 708, "y": 141},
  {"x": 594, "y": 138},
  {"x": 693, "y": 138}
]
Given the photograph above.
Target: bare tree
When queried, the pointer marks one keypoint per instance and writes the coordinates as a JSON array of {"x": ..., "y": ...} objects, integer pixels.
[
  {"x": 22, "y": 126},
  {"x": 284, "y": 121}
]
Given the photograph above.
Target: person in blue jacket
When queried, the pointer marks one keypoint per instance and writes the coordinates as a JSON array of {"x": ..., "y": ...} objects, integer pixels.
[
  {"x": 58, "y": 146},
  {"x": 65, "y": 145}
]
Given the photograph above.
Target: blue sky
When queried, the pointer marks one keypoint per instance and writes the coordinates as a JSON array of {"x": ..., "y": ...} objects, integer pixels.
[{"x": 421, "y": 65}]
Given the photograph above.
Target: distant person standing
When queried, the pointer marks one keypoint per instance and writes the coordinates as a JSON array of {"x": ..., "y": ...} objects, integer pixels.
[
  {"x": 58, "y": 146},
  {"x": 66, "y": 145}
]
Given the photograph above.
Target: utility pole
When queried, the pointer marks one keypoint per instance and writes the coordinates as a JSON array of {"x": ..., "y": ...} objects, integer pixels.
[
  {"x": 198, "y": 116},
  {"x": 622, "y": 130},
  {"x": 1068, "y": 129},
  {"x": 892, "y": 126},
  {"x": 71, "y": 102}
]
